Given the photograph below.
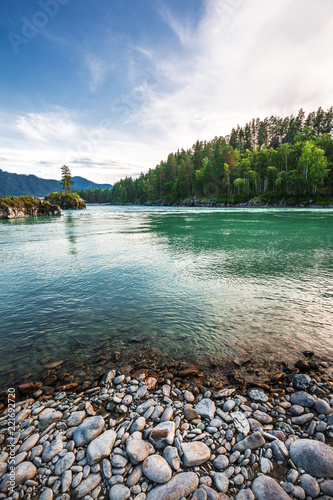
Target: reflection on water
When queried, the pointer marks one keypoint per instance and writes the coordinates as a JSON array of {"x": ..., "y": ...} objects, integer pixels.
[{"x": 191, "y": 281}]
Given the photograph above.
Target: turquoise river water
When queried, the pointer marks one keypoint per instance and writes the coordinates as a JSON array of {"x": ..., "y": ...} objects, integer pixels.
[{"x": 190, "y": 281}]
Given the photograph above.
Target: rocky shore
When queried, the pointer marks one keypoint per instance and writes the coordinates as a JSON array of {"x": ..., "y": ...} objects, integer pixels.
[
  {"x": 138, "y": 434},
  {"x": 26, "y": 206},
  {"x": 255, "y": 202}
]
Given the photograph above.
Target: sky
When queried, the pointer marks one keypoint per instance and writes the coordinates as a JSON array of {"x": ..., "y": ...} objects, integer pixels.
[{"x": 111, "y": 87}]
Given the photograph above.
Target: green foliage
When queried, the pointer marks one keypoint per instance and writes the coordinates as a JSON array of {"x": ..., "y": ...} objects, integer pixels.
[
  {"x": 274, "y": 158},
  {"x": 66, "y": 179}
]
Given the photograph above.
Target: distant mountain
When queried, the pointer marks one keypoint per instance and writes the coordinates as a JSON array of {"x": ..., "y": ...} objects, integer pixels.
[{"x": 20, "y": 184}]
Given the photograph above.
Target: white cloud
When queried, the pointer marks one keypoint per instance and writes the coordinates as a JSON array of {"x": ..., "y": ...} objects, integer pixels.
[
  {"x": 45, "y": 126},
  {"x": 97, "y": 69}
]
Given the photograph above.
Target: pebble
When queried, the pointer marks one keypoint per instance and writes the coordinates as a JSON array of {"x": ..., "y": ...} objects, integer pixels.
[
  {"x": 266, "y": 488},
  {"x": 101, "y": 446},
  {"x": 195, "y": 453},
  {"x": 206, "y": 408},
  {"x": 88, "y": 430},
  {"x": 162, "y": 435},
  {"x": 310, "y": 485},
  {"x": 180, "y": 486},
  {"x": 221, "y": 481},
  {"x": 119, "y": 492},
  {"x": 157, "y": 469},
  {"x": 302, "y": 398},
  {"x": 137, "y": 450}
]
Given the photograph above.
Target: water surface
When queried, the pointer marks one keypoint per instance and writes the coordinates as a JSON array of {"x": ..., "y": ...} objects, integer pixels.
[{"x": 190, "y": 281}]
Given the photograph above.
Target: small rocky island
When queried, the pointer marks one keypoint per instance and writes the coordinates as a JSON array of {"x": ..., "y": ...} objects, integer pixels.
[
  {"x": 66, "y": 201},
  {"x": 27, "y": 206}
]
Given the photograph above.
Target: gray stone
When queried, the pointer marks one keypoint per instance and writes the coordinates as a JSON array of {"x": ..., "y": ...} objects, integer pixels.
[
  {"x": 310, "y": 485},
  {"x": 206, "y": 408},
  {"x": 138, "y": 425},
  {"x": 135, "y": 476},
  {"x": 253, "y": 441},
  {"x": 181, "y": 485},
  {"x": 53, "y": 449},
  {"x": 46, "y": 495},
  {"x": 170, "y": 453},
  {"x": 266, "y": 488},
  {"x": 258, "y": 395},
  {"x": 246, "y": 494},
  {"x": 199, "y": 494},
  {"x": 157, "y": 469},
  {"x": 64, "y": 463},
  {"x": 296, "y": 410},
  {"x": 66, "y": 480},
  {"x": 262, "y": 417},
  {"x": 119, "y": 492},
  {"x": 322, "y": 406},
  {"x": 265, "y": 465},
  {"x": 101, "y": 446},
  {"x": 221, "y": 462},
  {"x": 302, "y": 398},
  {"x": 88, "y": 430},
  {"x": 23, "y": 472},
  {"x": 241, "y": 423},
  {"x": 29, "y": 443},
  {"x": 301, "y": 381},
  {"x": 210, "y": 493},
  {"x": 221, "y": 481},
  {"x": 137, "y": 450},
  {"x": 48, "y": 416},
  {"x": 280, "y": 452},
  {"x": 298, "y": 492},
  {"x": 327, "y": 487},
  {"x": 144, "y": 406},
  {"x": 315, "y": 457},
  {"x": 76, "y": 418},
  {"x": 162, "y": 435},
  {"x": 302, "y": 419},
  {"x": 87, "y": 485},
  {"x": 195, "y": 453},
  {"x": 119, "y": 461},
  {"x": 229, "y": 405}
]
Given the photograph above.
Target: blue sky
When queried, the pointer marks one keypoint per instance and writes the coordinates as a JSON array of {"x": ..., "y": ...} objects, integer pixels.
[{"x": 110, "y": 87}]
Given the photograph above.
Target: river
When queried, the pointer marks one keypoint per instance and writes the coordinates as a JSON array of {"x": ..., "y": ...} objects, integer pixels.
[{"x": 194, "y": 283}]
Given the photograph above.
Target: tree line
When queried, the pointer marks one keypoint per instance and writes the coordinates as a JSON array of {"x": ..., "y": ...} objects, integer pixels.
[{"x": 272, "y": 158}]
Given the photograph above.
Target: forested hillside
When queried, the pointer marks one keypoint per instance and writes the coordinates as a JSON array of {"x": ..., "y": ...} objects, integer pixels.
[
  {"x": 274, "y": 158},
  {"x": 30, "y": 185}
]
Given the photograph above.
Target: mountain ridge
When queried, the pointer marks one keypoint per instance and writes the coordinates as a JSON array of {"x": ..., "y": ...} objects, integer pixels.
[{"x": 12, "y": 184}]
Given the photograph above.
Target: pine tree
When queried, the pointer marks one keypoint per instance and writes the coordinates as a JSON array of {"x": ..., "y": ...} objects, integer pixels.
[{"x": 66, "y": 179}]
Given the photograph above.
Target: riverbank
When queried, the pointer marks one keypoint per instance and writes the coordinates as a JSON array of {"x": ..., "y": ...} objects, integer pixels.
[{"x": 161, "y": 429}]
